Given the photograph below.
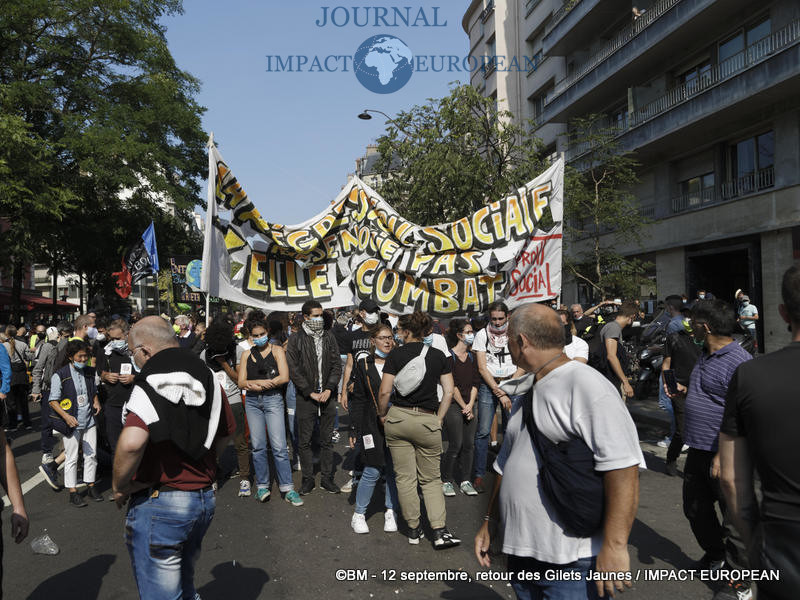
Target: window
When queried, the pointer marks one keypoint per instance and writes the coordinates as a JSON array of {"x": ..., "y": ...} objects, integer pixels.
[
  {"x": 751, "y": 164},
  {"x": 697, "y": 77},
  {"x": 731, "y": 47},
  {"x": 538, "y": 103},
  {"x": 759, "y": 31},
  {"x": 698, "y": 190}
]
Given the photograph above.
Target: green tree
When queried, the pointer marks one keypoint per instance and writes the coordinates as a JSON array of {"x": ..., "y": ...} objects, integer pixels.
[
  {"x": 114, "y": 122},
  {"x": 446, "y": 158},
  {"x": 600, "y": 213}
]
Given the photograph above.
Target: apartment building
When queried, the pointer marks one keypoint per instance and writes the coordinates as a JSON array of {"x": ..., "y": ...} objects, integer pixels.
[{"x": 707, "y": 95}]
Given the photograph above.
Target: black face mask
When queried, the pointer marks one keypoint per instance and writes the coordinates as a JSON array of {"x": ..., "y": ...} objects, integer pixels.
[{"x": 567, "y": 335}]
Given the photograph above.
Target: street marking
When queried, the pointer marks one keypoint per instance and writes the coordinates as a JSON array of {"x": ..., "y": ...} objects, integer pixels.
[{"x": 30, "y": 484}]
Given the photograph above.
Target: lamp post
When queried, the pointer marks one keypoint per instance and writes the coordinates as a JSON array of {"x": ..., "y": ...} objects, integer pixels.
[{"x": 365, "y": 116}]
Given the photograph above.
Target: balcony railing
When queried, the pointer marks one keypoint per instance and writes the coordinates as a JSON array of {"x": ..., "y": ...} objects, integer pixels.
[
  {"x": 619, "y": 40},
  {"x": 749, "y": 184},
  {"x": 753, "y": 182},
  {"x": 736, "y": 64},
  {"x": 559, "y": 14}
]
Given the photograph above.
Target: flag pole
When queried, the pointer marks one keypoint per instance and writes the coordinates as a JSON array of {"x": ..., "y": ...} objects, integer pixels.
[{"x": 209, "y": 232}]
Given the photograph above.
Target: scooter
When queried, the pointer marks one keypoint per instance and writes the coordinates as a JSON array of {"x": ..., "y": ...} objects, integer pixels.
[{"x": 651, "y": 358}]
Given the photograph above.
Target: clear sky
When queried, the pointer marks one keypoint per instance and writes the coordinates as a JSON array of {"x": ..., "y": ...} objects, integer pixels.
[{"x": 292, "y": 138}]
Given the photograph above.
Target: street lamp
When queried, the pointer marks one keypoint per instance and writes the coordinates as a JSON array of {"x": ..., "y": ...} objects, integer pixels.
[{"x": 365, "y": 116}]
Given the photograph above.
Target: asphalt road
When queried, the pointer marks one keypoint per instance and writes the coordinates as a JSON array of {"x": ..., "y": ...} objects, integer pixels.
[{"x": 277, "y": 551}]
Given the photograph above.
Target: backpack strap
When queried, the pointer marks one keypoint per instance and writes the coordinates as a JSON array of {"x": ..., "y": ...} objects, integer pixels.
[{"x": 369, "y": 385}]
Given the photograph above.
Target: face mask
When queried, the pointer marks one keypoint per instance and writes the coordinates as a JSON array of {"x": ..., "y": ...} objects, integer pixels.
[
  {"x": 745, "y": 302},
  {"x": 317, "y": 319},
  {"x": 261, "y": 341},
  {"x": 397, "y": 338},
  {"x": 91, "y": 332},
  {"x": 120, "y": 345},
  {"x": 101, "y": 337},
  {"x": 315, "y": 324},
  {"x": 428, "y": 339},
  {"x": 371, "y": 318},
  {"x": 79, "y": 365},
  {"x": 701, "y": 296},
  {"x": 136, "y": 367},
  {"x": 381, "y": 353},
  {"x": 500, "y": 328},
  {"x": 469, "y": 338}
]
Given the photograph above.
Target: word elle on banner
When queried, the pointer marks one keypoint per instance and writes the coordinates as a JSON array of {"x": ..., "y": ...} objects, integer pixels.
[{"x": 360, "y": 247}]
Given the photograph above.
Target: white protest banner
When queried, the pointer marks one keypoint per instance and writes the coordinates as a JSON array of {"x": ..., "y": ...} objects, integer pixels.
[
  {"x": 537, "y": 274},
  {"x": 360, "y": 247}
]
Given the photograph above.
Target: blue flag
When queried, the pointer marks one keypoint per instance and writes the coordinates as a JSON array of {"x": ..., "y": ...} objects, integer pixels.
[{"x": 149, "y": 237}]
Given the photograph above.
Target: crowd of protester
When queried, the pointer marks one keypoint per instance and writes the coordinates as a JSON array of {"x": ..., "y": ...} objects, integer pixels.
[{"x": 408, "y": 383}]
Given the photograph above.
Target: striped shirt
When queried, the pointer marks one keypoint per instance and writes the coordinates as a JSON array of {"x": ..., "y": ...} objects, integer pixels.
[{"x": 705, "y": 400}]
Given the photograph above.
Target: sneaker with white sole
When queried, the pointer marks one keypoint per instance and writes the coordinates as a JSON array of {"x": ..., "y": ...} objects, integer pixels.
[
  {"x": 262, "y": 494},
  {"x": 448, "y": 489},
  {"x": 415, "y": 534},
  {"x": 734, "y": 590},
  {"x": 293, "y": 498},
  {"x": 389, "y": 522},
  {"x": 664, "y": 443},
  {"x": 442, "y": 538},
  {"x": 359, "y": 523},
  {"x": 467, "y": 489},
  {"x": 244, "y": 488},
  {"x": 348, "y": 487},
  {"x": 335, "y": 437}
]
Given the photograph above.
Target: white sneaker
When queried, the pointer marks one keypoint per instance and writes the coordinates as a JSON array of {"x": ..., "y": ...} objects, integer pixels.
[
  {"x": 664, "y": 443},
  {"x": 244, "y": 488},
  {"x": 335, "y": 437},
  {"x": 389, "y": 522},
  {"x": 348, "y": 487},
  {"x": 684, "y": 448},
  {"x": 359, "y": 523}
]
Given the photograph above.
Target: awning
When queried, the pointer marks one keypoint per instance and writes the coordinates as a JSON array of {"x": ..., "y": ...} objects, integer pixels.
[{"x": 33, "y": 302}]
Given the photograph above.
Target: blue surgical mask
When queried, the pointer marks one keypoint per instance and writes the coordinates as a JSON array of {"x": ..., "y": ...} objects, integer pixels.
[
  {"x": 428, "y": 339},
  {"x": 469, "y": 338},
  {"x": 397, "y": 338},
  {"x": 381, "y": 353},
  {"x": 79, "y": 365},
  {"x": 261, "y": 341},
  {"x": 136, "y": 367}
]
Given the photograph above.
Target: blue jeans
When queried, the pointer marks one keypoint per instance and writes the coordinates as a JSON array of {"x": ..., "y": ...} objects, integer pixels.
[
  {"x": 552, "y": 585},
  {"x": 265, "y": 415},
  {"x": 291, "y": 414},
  {"x": 369, "y": 479},
  {"x": 665, "y": 403},
  {"x": 163, "y": 536},
  {"x": 487, "y": 406}
]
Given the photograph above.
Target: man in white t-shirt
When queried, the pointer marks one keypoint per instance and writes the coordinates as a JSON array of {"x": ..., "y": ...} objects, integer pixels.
[
  {"x": 495, "y": 366},
  {"x": 570, "y": 400}
]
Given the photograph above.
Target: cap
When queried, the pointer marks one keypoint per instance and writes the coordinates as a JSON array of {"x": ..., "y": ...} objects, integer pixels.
[{"x": 369, "y": 305}]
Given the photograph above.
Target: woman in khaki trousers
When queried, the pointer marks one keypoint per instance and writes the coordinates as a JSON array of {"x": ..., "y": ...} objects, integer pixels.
[{"x": 413, "y": 427}]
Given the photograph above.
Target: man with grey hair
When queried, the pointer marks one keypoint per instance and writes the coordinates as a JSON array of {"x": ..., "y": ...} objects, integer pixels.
[
  {"x": 187, "y": 338},
  {"x": 165, "y": 463},
  {"x": 571, "y": 404}
]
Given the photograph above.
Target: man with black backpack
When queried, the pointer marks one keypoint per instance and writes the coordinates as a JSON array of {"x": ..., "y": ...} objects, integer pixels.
[{"x": 565, "y": 521}]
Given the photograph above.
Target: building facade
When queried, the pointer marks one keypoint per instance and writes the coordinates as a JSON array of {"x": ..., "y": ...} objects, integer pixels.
[{"x": 706, "y": 94}]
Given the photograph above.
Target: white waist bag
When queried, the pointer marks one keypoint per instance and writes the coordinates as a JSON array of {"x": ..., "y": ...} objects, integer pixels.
[{"x": 410, "y": 377}]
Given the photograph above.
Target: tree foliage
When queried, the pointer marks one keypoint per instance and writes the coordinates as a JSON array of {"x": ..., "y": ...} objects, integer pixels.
[
  {"x": 601, "y": 214},
  {"x": 448, "y": 157},
  {"x": 107, "y": 132}
]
